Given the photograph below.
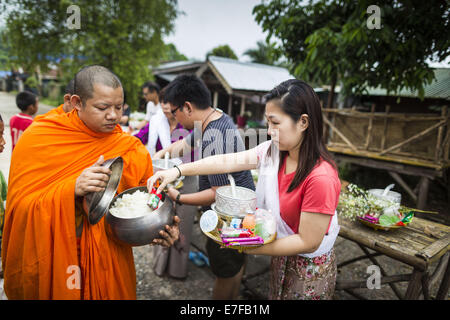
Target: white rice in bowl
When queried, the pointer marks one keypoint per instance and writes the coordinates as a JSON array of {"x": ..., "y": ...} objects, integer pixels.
[{"x": 131, "y": 205}]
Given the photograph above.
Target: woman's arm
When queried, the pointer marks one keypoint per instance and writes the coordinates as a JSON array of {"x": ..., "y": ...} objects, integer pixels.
[
  {"x": 175, "y": 150},
  {"x": 223, "y": 163},
  {"x": 311, "y": 231}
]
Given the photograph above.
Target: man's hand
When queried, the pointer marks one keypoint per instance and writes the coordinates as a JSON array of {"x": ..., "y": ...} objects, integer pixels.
[
  {"x": 92, "y": 179},
  {"x": 172, "y": 193},
  {"x": 171, "y": 235}
]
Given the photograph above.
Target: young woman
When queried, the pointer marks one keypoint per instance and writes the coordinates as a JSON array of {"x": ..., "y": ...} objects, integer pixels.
[{"x": 298, "y": 182}]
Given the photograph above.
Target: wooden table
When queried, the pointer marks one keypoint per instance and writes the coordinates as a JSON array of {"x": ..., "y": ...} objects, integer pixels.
[{"x": 419, "y": 245}]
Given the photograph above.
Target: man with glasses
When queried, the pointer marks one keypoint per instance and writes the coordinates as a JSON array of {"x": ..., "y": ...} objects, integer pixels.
[{"x": 215, "y": 133}]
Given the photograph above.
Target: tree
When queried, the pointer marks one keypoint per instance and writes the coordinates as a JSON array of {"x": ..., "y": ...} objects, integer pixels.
[
  {"x": 4, "y": 52},
  {"x": 265, "y": 53},
  {"x": 122, "y": 35},
  {"x": 335, "y": 42},
  {"x": 222, "y": 51},
  {"x": 171, "y": 53}
]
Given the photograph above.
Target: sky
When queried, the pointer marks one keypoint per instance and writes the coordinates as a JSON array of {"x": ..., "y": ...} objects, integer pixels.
[{"x": 206, "y": 24}]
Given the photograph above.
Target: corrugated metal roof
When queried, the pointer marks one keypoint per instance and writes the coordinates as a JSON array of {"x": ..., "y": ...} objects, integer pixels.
[
  {"x": 249, "y": 76},
  {"x": 438, "y": 89},
  {"x": 176, "y": 64},
  {"x": 167, "y": 76}
]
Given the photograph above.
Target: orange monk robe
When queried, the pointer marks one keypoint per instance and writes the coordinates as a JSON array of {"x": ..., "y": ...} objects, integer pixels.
[
  {"x": 59, "y": 110},
  {"x": 39, "y": 252}
]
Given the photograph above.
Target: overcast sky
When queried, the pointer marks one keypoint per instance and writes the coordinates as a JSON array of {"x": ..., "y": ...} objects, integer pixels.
[{"x": 209, "y": 23}]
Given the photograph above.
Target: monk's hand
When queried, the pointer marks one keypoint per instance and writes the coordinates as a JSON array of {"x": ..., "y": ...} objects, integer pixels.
[
  {"x": 92, "y": 179},
  {"x": 164, "y": 177},
  {"x": 170, "y": 235}
]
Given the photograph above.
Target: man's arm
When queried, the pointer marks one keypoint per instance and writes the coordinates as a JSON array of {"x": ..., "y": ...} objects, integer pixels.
[{"x": 201, "y": 198}]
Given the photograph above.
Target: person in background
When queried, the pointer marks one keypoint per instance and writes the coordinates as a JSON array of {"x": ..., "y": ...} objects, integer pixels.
[
  {"x": 162, "y": 128},
  {"x": 124, "y": 121},
  {"x": 3, "y": 189},
  {"x": 150, "y": 92},
  {"x": 28, "y": 104}
]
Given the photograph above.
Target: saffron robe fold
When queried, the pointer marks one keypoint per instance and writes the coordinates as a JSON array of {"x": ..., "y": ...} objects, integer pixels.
[
  {"x": 58, "y": 110},
  {"x": 39, "y": 249}
]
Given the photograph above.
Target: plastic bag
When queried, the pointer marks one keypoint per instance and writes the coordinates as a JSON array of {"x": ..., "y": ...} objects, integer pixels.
[{"x": 266, "y": 225}]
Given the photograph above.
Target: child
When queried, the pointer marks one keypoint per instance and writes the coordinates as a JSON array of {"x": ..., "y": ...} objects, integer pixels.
[
  {"x": 27, "y": 102},
  {"x": 2, "y": 187}
]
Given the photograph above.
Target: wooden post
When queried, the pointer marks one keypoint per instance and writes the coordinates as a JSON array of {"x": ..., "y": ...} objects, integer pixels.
[
  {"x": 215, "y": 99},
  {"x": 402, "y": 183},
  {"x": 383, "y": 138},
  {"x": 242, "y": 106},
  {"x": 445, "y": 284},
  {"x": 423, "y": 193},
  {"x": 415, "y": 284},
  {"x": 230, "y": 104},
  {"x": 369, "y": 130},
  {"x": 438, "y": 149},
  {"x": 446, "y": 144}
]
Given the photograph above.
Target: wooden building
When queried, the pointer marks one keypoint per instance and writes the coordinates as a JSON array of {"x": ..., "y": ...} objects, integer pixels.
[
  {"x": 236, "y": 87},
  {"x": 401, "y": 134}
]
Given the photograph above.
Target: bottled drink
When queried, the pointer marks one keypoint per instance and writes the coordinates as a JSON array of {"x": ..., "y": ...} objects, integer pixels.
[{"x": 249, "y": 221}]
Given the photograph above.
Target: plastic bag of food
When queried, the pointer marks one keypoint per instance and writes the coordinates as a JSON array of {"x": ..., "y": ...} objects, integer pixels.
[{"x": 266, "y": 225}]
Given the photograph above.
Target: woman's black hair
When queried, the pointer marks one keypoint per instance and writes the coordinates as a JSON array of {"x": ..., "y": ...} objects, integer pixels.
[{"x": 296, "y": 98}]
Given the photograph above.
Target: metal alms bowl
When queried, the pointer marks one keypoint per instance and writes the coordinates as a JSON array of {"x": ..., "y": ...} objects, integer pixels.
[
  {"x": 96, "y": 204},
  {"x": 238, "y": 206},
  {"x": 141, "y": 230}
]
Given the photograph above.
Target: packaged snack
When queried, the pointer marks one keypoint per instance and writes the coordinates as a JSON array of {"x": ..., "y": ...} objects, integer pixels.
[
  {"x": 154, "y": 199},
  {"x": 229, "y": 232},
  {"x": 243, "y": 241},
  {"x": 236, "y": 223}
]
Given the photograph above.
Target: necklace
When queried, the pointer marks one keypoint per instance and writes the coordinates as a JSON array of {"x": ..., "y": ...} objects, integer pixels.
[{"x": 204, "y": 121}]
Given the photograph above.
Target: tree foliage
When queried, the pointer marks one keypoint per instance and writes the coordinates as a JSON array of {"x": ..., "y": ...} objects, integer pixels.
[
  {"x": 265, "y": 53},
  {"x": 329, "y": 41},
  {"x": 171, "y": 53},
  {"x": 222, "y": 51},
  {"x": 123, "y": 35}
]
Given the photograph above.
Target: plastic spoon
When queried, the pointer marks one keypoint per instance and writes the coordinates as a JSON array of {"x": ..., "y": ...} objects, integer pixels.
[
  {"x": 166, "y": 161},
  {"x": 233, "y": 185},
  {"x": 387, "y": 189}
]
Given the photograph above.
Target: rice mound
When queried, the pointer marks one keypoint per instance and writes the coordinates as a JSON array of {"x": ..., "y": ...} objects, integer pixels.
[{"x": 131, "y": 205}]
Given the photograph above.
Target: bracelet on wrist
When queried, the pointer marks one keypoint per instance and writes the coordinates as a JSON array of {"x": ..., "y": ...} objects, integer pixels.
[
  {"x": 179, "y": 171},
  {"x": 177, "y": 200}
]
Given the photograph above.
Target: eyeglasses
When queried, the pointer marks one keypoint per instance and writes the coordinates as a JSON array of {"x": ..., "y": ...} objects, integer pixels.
[{"x": 175, "y": 110}]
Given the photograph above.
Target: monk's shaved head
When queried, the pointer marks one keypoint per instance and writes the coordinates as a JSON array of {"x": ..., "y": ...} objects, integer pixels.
[{"x": 88, "y": 76}]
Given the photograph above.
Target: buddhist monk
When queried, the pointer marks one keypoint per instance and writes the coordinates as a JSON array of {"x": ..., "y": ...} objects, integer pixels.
[{"x": 49, "y": 249}]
